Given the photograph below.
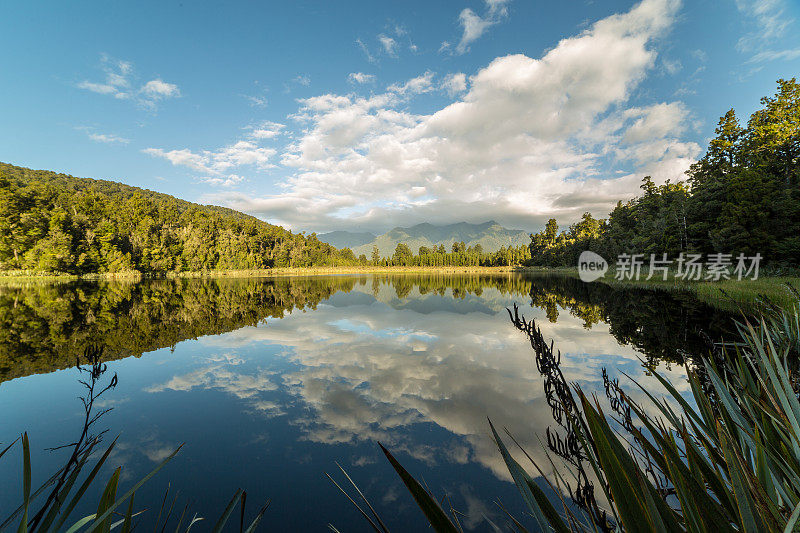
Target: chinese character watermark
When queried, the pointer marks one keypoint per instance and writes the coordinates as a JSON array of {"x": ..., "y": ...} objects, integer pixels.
[
  {"x": 591, "y": 266},
  {"x": 686, "y": 267}
]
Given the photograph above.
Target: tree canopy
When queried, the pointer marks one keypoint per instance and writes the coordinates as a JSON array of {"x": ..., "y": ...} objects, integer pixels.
[
  {"x": 742, "y": 196},
  {"x": 58, "y": 223}
]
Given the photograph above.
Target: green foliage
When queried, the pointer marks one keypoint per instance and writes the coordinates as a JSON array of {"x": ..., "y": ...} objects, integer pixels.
[
  {"x": 742, "y": 196},
  {"x": 460, "y": 256},
  {"x": 57, "y": 223},
  {"x": 402, "y": 255},
  {"x": 552, "y": 249},
  {"x": 45, "y": 326},
  {"x": 745, "y": 189},
  {"x": 730, "y": 462}
]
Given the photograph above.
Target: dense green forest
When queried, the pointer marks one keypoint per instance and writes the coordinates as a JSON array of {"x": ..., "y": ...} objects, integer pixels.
[
  {"x": 743, "y": 196},
  {"x": 53, "y": 222},
  {"x": 459, "y": 255}
]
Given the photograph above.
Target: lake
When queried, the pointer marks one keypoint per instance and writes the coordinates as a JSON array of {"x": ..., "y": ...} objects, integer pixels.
[{"x": 270, "y": 382}]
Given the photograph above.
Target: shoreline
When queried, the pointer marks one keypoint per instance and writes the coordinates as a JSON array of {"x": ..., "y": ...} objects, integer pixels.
[
  {"x": 270, "y": 272},
  {"x": 724, "y": 294},
  {"x": 16, "y": 278},
  {"x": 728, "y": 294}
]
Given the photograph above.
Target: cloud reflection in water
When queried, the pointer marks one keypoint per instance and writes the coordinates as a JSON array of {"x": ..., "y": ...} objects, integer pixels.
[{"x": 372, "y": 366}]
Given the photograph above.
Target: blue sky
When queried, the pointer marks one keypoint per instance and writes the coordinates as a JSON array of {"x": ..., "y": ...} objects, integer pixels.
[{"x": 366, "y": 115}]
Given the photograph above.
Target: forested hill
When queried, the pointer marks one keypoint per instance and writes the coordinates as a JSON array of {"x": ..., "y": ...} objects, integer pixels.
[{"x": 52, "y": 222}]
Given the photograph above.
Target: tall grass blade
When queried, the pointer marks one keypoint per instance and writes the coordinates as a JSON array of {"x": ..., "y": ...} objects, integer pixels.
[
  {"x": 133, "y": 489},
  {"x": 537, "y": 502},
  {"x": 26, "y": 482},
  {"x": 107, "y": 500},
  {"x": 227, "y": 513},
  {"x": 433, "y": 512},
  {"x": 84, "y": 486}
]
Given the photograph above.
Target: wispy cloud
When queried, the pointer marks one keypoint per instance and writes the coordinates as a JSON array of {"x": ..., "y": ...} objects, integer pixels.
[
  {"x": 671, "y": 66},
  {"x": 774, "y": 55},
  {"x": 389, "y": 44},
  {"x": 301, "y": 80},
  {"x": 158, "y": 89},
  {"x": 771, "y": 23},
  {"x": 473, "y": 26},
  {"x": 365, "y": 49},
  {"x": 360, "y": 77},
  {"x": 222, "y": 167},
  {"x": 107, "y": 138},
  {"x": 256, "y": 101},
  {"x": 420, "y": 84},
  {"x": 266, "y": 130},
  {"x": 116, "y": 83},
  {"x": 120, "y": 82},
  {"x": 455, "y": 84}
]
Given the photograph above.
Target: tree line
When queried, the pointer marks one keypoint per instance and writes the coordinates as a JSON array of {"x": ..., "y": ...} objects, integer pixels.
[
  {"x": 459, "y": 255},
  {"x": 53, "y": 222},
  {"x": 742, "y": 196}
]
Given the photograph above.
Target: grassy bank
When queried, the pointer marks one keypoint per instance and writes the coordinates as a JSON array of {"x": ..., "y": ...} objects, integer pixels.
[
  {"x": 724, "y": 294},
  {"x": 317, "y": 271}
]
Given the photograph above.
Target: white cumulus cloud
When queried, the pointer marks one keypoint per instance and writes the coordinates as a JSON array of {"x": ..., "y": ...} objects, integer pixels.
[
  {"x": 216, "y": 167},
  {"x": 455, "y": 84},
  {"x": 530, "y": 139}
]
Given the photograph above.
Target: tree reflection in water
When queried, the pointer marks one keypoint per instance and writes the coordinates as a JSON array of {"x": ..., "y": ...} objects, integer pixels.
[
  {"x": 333, "y": 363},
  {"x": 45, "y": 327}
]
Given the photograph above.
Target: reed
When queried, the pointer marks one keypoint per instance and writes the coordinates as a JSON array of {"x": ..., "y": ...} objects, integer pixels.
[
  {"x": 51, "y": 505},
  {"x": 730, "y": 462}
]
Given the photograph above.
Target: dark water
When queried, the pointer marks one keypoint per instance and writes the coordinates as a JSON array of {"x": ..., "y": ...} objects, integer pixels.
[{"x": 271, "y": 382}]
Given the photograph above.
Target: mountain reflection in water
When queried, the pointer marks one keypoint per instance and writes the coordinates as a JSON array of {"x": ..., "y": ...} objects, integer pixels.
[{"x": 270, "y": 381}]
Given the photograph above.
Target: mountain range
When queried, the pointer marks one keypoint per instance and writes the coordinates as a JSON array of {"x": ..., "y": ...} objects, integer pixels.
[
  {"x": 490, "y": 235},
  {"x": 347, "y": 239}
]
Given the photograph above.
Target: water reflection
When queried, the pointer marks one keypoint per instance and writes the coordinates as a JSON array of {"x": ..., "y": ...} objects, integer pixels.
[
  {"x": 51, "y": 508},
  {"x": 44, "y": 327},
  {"x": 416, "y": 362}
]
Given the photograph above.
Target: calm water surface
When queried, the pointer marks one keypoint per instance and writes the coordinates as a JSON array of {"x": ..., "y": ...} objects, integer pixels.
[{"x": 271, "y": 382}]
